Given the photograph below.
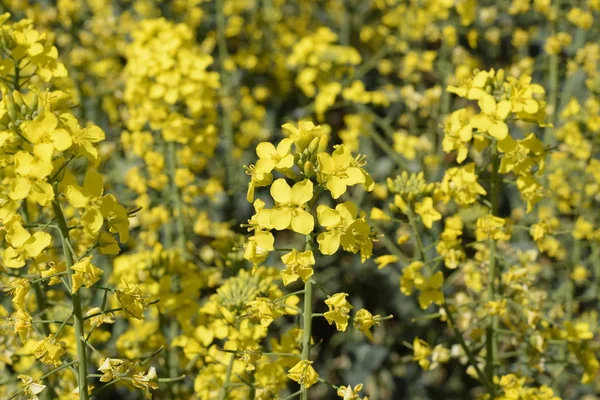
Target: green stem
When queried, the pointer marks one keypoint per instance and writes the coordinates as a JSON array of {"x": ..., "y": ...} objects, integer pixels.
[
  {"x": 307, "y": 316},
  {"x": 76, "y": 301},
  {"x": 226, "y": 383},
  {"x": 491, "y": 339}
]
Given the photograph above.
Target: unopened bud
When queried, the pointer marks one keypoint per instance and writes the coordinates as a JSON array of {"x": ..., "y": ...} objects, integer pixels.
[
  {"x": 323, "y": 142},
  {"x": 314, "y": 145},
  {"x": 309, "y": 169},
  {"x": 18, "y": 99}
]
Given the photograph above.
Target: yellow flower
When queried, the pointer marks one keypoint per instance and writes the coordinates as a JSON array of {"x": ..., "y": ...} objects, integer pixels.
[
  {"x": 364, "y": 321},
  {"x": 410, "y": 274},
  {"x": 43, "y": 129},
  {"x": 340, "y": 170},
  {"x": 427, "y": 212},
  {"x": 336, "y": 222},
  {"x": 31, "y": 172},
  {"x": 460, "y": 184},
  {"x": 96, "y": 207},
  {"x": 493, "y": 116},
  {"x": 257, "y": 247},
  {"x": 271, "y": 158},
  {"x": 49, "y": 351},
  {"x": 23, "y": 245},
  {"x": 429, "y": 288},
  {"x": 349, "y": 393},
  {"x": 85, "y": 274},
  {"x": 580, "y": 274},
  {"x": 384, "y": 261},
  {"x": 304, "y": 373},
  {"x": 31, "y": 387},
  {"x": 298, "y": 265},
  {"x": 421, "y": 353},
  {"x": 21, "y": 322},
  {"x": 261, "y": 309},
  {"x": 339, "y": 310},
  {"x": 304, "y": 134},
  {"x": 491, "y": 227},
  {"x": 458, "y": 131},
  {"x": 147, "y": 381},
  {"x": 377, "y": 214},
  {"x": 132, "y": 299},
  {"x": 19, "y": 288},
  {"x": 520, "y": 155},
  {"x": 99, "y": 317},
  {"x": 111, "y": 368},
  {"x": 290, "y": 202},
  {"x": 84, "y": 140}
]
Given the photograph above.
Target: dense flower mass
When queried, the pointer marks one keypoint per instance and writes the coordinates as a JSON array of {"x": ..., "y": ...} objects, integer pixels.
[{"x": 277, "y": 199}]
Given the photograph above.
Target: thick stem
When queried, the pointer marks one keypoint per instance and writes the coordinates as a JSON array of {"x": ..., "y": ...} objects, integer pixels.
[
  {"x": 227, "y": 381},
  {"x": 76, "y": 301},
  {"x": 306, "y": 327},
  {"x": 307, "y": 315}
]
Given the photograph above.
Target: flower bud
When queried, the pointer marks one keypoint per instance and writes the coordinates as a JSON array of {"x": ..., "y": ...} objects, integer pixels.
[{"x": 309, "y": 169}]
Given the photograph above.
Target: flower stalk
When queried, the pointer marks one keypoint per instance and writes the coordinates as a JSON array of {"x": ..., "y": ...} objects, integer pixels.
[{"x": 76, "y": 302}]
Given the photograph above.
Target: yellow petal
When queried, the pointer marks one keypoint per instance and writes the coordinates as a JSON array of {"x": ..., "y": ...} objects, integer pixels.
[
  {"x": 328, "y": 217},
  {"x": 302, "y": 192},
  {"x": 265, "y": 150},
  {"x": 281, "y": 191},
  {"x": 303, "y": 222},
  {"x": 281, "y": 218}
]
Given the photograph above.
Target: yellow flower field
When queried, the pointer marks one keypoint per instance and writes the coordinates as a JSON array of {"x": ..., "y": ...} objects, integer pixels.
[{"x": 299, "y": 199}]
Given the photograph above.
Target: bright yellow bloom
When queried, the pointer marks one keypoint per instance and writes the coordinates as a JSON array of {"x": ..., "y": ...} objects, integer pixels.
[
  {"x": 340, "y": 170},
  {"x": 22, "y": 244},
  {"x": 271, "y": 158},
  {"x": 427, "y": 212},
  {"x": 18, "y": 289},
  {"x": 97, "y": 208},
  {"x": 111, "y": 368},
  {"x": 21, "y": 322},
  {"x": 304, "y": 373},
  {"x": 336, "y": 222},
  {"x": 493, "y": 116},
  {"x": 290, "y": 203},
  {"x": 86, "y": 274},
  {"x": 491, "y": 227},
  {"x": 461, "y": 185},
  {"x": 132, "y": 299},
  {"x": 429, "y": 288},
  {"x": 49, "y": 351},
  {"x": 339, "y": 311},
  {"x": 298, "y": 265},
  {"x": 261, "y": 309},
  {"x": 364, "y": 321}
]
